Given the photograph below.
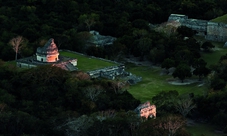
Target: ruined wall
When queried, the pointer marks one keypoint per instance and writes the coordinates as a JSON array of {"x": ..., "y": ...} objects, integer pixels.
[
  {"x": 25, "y": 65},
  {"x": 195, "y": 24},
  {"x": 198, "y": 25},
  {"x": 177, "y": 17},
  {"x": 216, "y": 32},
  {"x": 108, "y": 72},
  {"x": 211, "y": 30}
]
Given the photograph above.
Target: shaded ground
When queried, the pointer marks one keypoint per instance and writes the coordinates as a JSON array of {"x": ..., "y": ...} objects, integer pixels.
[
  {"x": 151, "y": 84},
  {"x": 201, "y": 128},
  {"x": 173, "y": 81}
]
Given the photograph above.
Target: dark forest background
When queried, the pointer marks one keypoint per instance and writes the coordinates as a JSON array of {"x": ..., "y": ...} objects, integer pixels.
[
  {"x": 38, "y": 20},
  {"x": 50, "y": 101}
]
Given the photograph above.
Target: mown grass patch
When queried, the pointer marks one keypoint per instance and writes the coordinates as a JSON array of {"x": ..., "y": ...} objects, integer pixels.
[
  {"x": 213, "y": 57},
  {"x": 152, "y": 83},
  {"x": 221, "y": 19},
  {"x": 87, "y": 63}
]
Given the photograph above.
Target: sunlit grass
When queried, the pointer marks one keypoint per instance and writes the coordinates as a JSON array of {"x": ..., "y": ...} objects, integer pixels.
[
  {"x": 86, "y": 63},
  {"x": 221, "y": 19}
]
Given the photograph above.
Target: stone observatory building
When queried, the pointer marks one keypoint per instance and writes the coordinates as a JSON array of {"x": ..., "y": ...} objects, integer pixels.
[{"x": 48, "y": 53}]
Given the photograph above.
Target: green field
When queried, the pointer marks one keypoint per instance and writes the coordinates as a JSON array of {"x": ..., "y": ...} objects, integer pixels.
[
  {"x": 86, "y": 63},
  {"x": 214, "y": 56},
  {"x": 221, "y": 19},
  {"x": 153, "y": 83}
]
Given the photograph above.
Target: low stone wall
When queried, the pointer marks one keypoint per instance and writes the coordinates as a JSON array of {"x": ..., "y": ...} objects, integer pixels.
[
  {"x": 25, "y": 65},
  {"x": 107, "y": 72},
  {"x": 65, "y": 63}
]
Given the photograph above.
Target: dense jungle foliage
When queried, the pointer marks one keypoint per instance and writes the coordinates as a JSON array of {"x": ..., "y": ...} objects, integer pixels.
[{"x": 50, "y": 101}]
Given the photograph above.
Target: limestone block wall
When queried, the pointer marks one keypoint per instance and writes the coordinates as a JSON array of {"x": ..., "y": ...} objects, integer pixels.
[
  {"x": 211, "y": 30},
  {"x": 41, "y": 58},
  {"x": 108, "y": 72},
  {"x": 196, "y": 24},
  {"x": 216, "y": 32},
  {"x": 25, "y": 65},
  {"x": 177, "y": 17}
]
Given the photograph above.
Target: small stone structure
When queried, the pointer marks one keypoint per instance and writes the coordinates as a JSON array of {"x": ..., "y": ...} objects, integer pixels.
[
  {"x": 101, "y": 40},
  {"x": 146, "y": 110},
  {"x": 211, "y": 30},
  {"x": 113, "y": 72},
  {"x": 48, "y": 55},
  {"x": 108, "y": 72}
]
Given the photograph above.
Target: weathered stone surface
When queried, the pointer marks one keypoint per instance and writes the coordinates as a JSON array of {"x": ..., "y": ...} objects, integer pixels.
[
  {"x": 195, "y": 24},
  {"x": 212, "y": 31},
  {"x": 216, "y": 32},
  {"x": 101, "y": 40},
  {"x": 177, "y": 17},
  {"x": 225, "y": 45},
  {"x": 113, "y": 72},
  {"x": 64, "y": 63},
  {"x": 146, "y": 110},
  {"x": 48, "y": 53},
  {"x": 107, "y": 72}
]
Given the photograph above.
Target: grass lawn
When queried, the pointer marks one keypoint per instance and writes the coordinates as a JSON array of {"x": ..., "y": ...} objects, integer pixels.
[
  {"x": 222, "y": 19},
  {"x": 86, "y": 63},
  {"x": 152, "y": 83},
  {"x": 214, "y": 56}
]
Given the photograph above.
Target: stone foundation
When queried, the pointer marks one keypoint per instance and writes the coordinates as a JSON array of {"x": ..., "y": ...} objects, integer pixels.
[{"x": 211, "y": 30}]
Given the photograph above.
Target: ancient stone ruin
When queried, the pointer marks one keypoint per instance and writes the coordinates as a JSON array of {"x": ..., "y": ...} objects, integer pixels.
[
  {"x": 211, "y": 30},
  {"x": 101, "y": 40},
  {"x": 48, "y": 55},
  {"x": 113, "y": 72},
  {"x": 146, "y": 110}
]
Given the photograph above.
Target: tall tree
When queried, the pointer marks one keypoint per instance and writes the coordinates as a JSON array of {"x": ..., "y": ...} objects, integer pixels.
[
  {"x": 182, "y": 71},
  {"x": 200, "y": 68},
  {"x": 168, "y": 63},
  {"x": 89, "y": 19},
  {"x": 165, "y": 101},
  {"x": 171, "y": 124},
  {"x": 184, "y": 104},
  {"x": 16, "y": 43},
  {"x": 143, "y": 43}
]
